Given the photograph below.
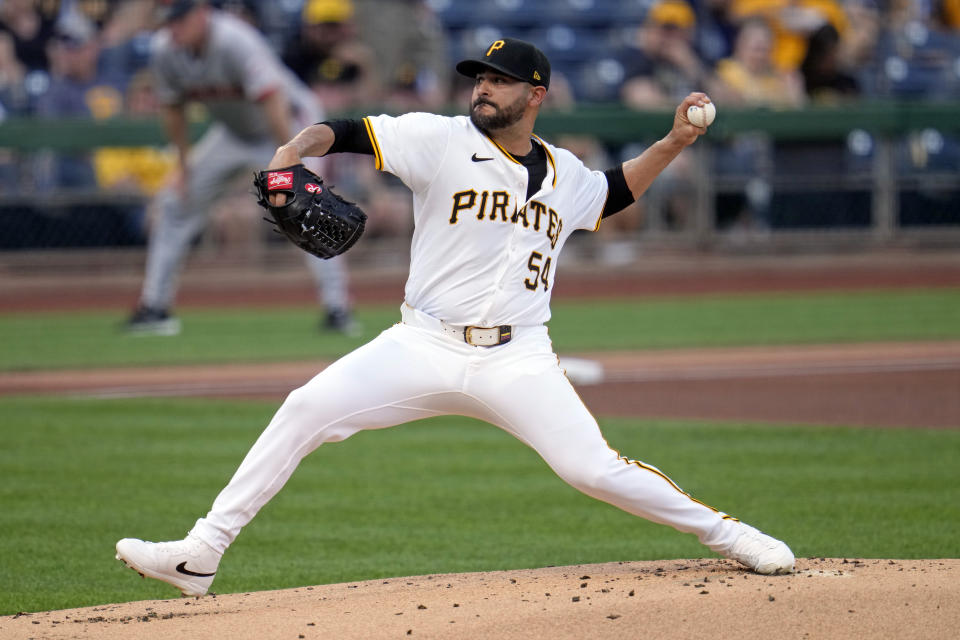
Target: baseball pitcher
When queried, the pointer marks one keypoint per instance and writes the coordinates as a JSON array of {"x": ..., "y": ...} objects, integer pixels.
[{"x": 493, "y": 206}]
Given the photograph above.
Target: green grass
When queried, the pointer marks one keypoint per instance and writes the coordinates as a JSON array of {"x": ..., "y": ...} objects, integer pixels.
[
  {"x": 443, "y": 495},
  {"x": 30, "y": 341},
  {"x": 798, "y": 318},
  {"x": 448, "y": 494}
]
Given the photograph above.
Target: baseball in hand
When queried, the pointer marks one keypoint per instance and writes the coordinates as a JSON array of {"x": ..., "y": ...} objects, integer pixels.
[{"x": 702, "y": 116}]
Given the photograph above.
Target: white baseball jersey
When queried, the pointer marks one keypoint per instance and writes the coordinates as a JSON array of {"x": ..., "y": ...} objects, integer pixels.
[{"x": 482, "y": 254}]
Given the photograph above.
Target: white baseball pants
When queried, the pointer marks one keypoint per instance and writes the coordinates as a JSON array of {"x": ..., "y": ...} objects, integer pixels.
[{"x": 414, "y": 371}]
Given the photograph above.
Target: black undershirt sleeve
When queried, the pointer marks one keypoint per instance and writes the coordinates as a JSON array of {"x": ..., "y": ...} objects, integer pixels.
[
  {"x": 619, "y": 196},
  {"x": 349, "y": 136}
]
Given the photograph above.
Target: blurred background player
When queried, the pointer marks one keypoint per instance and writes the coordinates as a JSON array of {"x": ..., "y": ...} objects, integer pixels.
[{"x": 255, "y": 104}]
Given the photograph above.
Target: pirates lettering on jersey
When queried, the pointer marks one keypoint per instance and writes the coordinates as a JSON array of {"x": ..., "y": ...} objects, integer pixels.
[{"x": 493, "y": 206}]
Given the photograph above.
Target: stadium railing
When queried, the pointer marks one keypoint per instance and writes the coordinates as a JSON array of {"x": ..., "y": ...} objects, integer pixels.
[{"x": 863, "y": 174}]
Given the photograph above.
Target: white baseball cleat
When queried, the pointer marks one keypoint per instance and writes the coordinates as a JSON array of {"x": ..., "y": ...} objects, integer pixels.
[
  {"x": 189, "y": 564},
  {"x": 760, "y": 553}
]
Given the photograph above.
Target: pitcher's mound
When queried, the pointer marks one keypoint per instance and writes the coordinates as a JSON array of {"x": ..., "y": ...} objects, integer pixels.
[{"x": 712, "y": 598}]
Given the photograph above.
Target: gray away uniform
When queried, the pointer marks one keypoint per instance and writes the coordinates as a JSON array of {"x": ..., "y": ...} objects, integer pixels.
[{"x": 234, "y": 71}]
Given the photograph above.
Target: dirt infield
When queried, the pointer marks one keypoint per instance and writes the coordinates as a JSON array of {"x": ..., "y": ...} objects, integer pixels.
[
  {"x": 826, "y": 598},
  {"x": 112, "y": 282},
  {"x": 873, "y": 385},
  {"x": 870, "y": 385},
  {"x": 882, "y": 384}
]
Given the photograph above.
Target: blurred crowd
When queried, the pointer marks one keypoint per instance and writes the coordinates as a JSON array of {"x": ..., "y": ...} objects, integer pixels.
[
  {"x": 73, "y": 57},
  {"x": 90, "y": 59}
]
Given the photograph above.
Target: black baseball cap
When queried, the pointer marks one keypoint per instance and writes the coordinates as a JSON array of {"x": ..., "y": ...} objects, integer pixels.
[
  {"x": 170, "y": 10},
  {"x": 515, "y": 58}
]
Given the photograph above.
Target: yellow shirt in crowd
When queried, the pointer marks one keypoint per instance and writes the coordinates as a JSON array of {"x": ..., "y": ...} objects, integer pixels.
[
  {"x": 789, "y": 47},
  {"x": 138, "y": 169}
]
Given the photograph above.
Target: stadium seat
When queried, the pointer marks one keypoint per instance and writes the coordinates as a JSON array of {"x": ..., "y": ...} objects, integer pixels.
[
  {"x": 598, "y": 80},
  {"x": 455, "y": 14},
  {"x": 917, "y": 63}
]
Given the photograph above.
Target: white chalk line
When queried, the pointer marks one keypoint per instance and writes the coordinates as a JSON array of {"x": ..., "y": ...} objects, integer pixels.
[{"x": 712, "y": 372}]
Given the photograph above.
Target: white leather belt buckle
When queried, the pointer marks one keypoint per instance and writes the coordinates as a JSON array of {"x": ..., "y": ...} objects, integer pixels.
[{"x": 487, "y": 336}]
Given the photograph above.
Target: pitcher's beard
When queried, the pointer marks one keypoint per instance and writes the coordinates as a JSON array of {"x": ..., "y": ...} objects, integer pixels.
[{"x": 500, "y": 118}]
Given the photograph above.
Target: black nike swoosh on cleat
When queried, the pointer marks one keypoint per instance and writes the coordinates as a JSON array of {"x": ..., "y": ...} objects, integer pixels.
[
  {"x": 476, "y": 159},
  {"x": 182, "y": 568}
]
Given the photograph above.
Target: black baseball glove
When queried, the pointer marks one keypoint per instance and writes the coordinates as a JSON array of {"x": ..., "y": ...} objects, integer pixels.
[{"x": 313, "y": 217}]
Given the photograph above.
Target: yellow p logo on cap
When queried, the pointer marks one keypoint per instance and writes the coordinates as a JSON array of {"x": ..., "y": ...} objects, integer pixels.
[{"x": 496, "y": 45}]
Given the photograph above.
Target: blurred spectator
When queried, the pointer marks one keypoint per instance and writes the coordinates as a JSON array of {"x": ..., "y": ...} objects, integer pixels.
[
  {"x": 750, "y": 78},
  {"x": 124, "y": 21},
  {"x": 77, "y": 90},
  {"x": 125, "y": 34},
  {"x": 901, "y": 12},
  {"x": 948, "y": 13},
  {"x": 858, "y": 44},
  {"x": 411, "y": 51},
  {"x": 77, "y": 85},
  {"x": 791, "y": 23},
  {"x": 664, "y": 66},
  {"x": 356, "y": 53},
  {"x": 329, "y": 56},
  {"x": 13, "y": 101},
  {"x": 715, "y": 30},
  {"x": 13, "y": 97},
  {"x": 135, "y": 170},
  {"x": 30, "y": 29},
  {"x": 823, "y": 79},
  {"x": 95, "y": 11},
  {"x": 342, "y": 70}
]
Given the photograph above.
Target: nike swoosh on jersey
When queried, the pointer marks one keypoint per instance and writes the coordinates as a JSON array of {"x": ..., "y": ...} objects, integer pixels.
[
  {"x": 182, "y": 568},
  {"x": 476, "y": 159}
]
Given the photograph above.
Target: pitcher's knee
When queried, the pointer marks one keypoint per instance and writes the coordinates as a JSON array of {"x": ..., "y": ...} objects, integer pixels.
[
  {"x": 591, "y": 480},
  {"x": 297, "y": 401},
  {"x": 303, "y": 416}
]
